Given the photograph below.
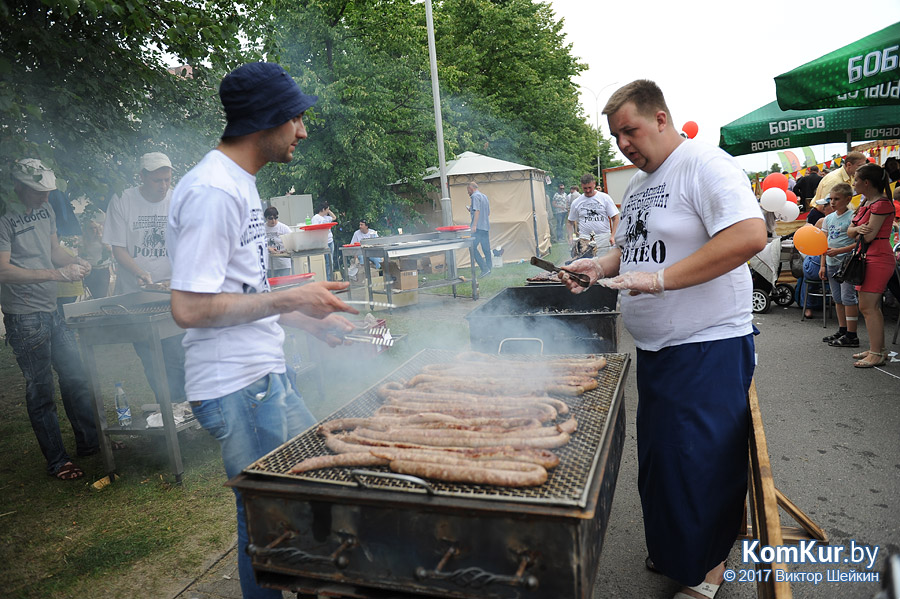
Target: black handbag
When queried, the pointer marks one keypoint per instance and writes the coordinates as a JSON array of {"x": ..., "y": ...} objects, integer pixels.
[{"x": 853, "y": 270}]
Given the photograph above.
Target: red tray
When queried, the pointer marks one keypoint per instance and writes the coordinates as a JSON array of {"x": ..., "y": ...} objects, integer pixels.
[
  {"x": 453, "y": 228},
  {"x": 290, "y": 279},
  {"x": 351, "y": 245},
  {"x": 318, "y": 227}
]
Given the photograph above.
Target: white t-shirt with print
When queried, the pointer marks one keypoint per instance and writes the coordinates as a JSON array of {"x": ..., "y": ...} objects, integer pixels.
[
  {"x": 139, "y": 226},
  {"x": 668, "y": 215},
  {"x": 273, "y": 238},
  {"x": 318, "y": 219},
  {"x": 217, "y": 244},
  {"x": 593, "y": 215}
]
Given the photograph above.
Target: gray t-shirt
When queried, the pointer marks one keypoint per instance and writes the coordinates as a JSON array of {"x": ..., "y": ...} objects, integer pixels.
[
  {"x": 483, "y": 206},
  {"x": 27, "y": 238}
]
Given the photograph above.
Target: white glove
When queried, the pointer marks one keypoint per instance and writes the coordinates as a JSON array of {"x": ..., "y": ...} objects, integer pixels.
[
  {"x": 639, "y": 282},
  {"x": 587, "y": 266},
  {"x": 73, "y": 272}
]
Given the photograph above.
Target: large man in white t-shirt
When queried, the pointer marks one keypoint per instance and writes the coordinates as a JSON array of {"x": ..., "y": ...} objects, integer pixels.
[
  {"x": 689, "y": 224},
  {"x": 236, "y": 374},
  {"x": 136, "y": 230},
  {"x": 593, "y": 217}
]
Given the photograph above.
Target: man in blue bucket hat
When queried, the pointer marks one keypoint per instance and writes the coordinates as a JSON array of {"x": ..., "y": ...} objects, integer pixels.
[{"x": 235, "y": 372}]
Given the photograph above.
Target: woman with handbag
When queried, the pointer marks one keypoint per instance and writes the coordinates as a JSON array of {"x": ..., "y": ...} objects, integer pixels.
[{"x": 872, "y": 223}]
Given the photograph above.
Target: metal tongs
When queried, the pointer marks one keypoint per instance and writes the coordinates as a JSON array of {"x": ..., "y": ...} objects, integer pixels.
[
  {"x": 580, "y": 278},
  {"x": 373, "y": 336}
]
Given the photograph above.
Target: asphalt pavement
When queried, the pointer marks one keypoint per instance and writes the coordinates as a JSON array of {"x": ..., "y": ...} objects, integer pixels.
[{"x": 833, "y": 434}]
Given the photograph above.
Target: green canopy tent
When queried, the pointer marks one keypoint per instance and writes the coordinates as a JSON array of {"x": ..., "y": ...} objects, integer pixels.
[
  {"x": 770, "y": 129},
  {"x": 864, "y": 73}
]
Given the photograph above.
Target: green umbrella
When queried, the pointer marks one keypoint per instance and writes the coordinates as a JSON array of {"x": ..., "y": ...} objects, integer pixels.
[
  {"x": 772, "y": 129},
  {"x": 864, "y": 73}
]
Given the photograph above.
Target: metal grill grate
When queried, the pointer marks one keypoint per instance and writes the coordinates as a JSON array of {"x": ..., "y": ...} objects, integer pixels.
[
  {"x": 567, "y": 484},
  {"x": 119, "y": 310}
]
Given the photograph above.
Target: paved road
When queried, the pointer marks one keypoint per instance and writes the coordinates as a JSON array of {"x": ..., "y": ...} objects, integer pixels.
[{"x": 834, "y": 441}]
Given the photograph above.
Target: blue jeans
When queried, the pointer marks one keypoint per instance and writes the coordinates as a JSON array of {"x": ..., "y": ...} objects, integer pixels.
[
  {"x": 249, "y": 424},
  {"x": 329, "y": 261},
  {"x": 41, "y": 340},
  {"x": 173, "y": 362},
  {"x": 483, "y": 239}
]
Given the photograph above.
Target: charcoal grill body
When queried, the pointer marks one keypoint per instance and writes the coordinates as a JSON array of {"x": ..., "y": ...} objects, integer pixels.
[
  {"x": 565, "y": 322},
  {"x": 358, "y": 537}
]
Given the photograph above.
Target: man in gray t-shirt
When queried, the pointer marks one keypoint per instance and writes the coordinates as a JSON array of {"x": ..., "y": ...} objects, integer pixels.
[
  {"x": 31, "y": 262},
  {"x": 481, "y": 228}
]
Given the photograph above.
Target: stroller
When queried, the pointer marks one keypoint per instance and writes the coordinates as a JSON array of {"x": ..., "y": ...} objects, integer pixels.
[{"x": 765, "y": 268}]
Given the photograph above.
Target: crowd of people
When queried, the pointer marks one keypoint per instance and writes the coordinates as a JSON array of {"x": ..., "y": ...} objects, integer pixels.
[{"x": 869, "y": 229}]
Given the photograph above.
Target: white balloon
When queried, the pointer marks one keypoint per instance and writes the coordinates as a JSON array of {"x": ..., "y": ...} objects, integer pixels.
[
  {"x": 788, "y": 212},
  {"x": 773, "y": 199}
]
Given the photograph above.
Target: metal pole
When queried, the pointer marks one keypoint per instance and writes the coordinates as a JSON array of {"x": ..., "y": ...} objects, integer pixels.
[
  {"x": 446, "y": 208},
  {"x": 537, "y": 243},
  {"x": 597, "y": 121}
]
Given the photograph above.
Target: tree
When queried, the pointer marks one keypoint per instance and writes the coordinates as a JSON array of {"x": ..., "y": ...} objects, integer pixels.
[
  {"x": 85, "y": 86},
  {"x": 374, "y": 122}
]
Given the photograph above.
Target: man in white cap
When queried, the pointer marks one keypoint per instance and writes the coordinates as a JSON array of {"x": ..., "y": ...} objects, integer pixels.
[
  {"x": 136, "y": 230},
  {"x": 136, "y": 226},
  {"x": 237, "y": 379},
  {"x": 31, "y": 263}
]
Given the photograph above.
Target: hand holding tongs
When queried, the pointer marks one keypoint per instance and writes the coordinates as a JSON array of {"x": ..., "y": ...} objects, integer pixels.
[{"x": 580, "y": 278}]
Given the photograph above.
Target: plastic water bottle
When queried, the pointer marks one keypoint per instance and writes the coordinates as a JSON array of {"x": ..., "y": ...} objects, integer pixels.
[
  {"x": 123, "y": 410},
  {"x": 294, "y": 360},
  {"x": 308, "y": 220}
]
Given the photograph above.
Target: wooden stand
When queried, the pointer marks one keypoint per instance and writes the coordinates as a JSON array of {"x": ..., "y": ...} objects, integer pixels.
[{"x": 764, "y": 501}]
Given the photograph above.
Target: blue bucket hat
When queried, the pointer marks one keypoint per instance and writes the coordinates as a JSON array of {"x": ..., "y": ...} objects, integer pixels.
[{"x": 260, "y": 95}]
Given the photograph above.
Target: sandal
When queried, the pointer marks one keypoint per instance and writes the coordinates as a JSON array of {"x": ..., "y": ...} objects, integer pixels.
[
  {"x": 865, "y": 364},
  {"x": 861, "y": 355},
  {"x": 68, "y": 471}
]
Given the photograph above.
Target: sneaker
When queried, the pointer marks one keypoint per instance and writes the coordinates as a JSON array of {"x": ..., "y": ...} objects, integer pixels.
[
  {"x": 834, "y": 337},
  {"x": 484, "y": 274},
  {"x": 845, "y": 341}
]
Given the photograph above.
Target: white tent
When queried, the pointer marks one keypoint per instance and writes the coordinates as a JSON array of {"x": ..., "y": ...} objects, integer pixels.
[{"x": 519, "y": 221}]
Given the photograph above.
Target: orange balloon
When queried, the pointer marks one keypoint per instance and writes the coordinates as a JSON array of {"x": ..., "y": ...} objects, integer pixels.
[
  {"x": 690, "y": 129},
  {"x": 810, "y": 240},
  {"x": 775, "y": 180},
  {"x": 791, "y": 196}
]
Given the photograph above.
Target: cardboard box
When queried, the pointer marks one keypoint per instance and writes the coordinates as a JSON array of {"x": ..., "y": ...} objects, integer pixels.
[
  {"x": 399, "y": 300},
  {"x": 408, "y": 263},
  {"x": 403, "y": 279},
  {"x": 437, "y": 264}
]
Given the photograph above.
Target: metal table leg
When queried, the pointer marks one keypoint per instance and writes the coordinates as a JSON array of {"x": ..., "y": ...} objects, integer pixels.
[
  {"x": 165, "y": 405},
  {"x": 90, "y": 365}
]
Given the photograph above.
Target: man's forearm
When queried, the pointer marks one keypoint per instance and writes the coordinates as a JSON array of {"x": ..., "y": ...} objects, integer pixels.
[
  {"x": 727, "y": 250},
  {"x": 125, "y": 261},
  {"x": 210, "y": 310},
  {"x": 16, "y": 275}
]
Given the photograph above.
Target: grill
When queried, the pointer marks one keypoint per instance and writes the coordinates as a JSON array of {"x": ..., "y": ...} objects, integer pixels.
[
  {"x": 140, "y": 316},
  {"x": 564, "y": 322},
  {"x": 359, "y": 533}
]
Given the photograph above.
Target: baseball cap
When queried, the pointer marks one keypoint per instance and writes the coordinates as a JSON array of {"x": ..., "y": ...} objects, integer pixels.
[
  {"x": 260, "y": 95},
  {"x": 32, "y": 173},
  {"x": 153, "y": 161},
  {"x": 822, "y": 202}
]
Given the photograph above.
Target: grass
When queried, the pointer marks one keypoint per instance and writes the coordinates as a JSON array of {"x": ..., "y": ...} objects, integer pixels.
[{"x": 144, "y": 535}]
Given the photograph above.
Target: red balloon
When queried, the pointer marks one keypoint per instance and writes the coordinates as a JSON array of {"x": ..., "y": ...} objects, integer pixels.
[
  {"x": 791, "y": 196},
  {"x": 691, "y": 128},
  {"x": 775, "y": 180}
]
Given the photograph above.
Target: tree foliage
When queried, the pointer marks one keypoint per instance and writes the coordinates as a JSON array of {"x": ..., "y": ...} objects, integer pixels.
[
  {"x": 84, "y": 85},
  {"x": 506, "y": 86}
]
